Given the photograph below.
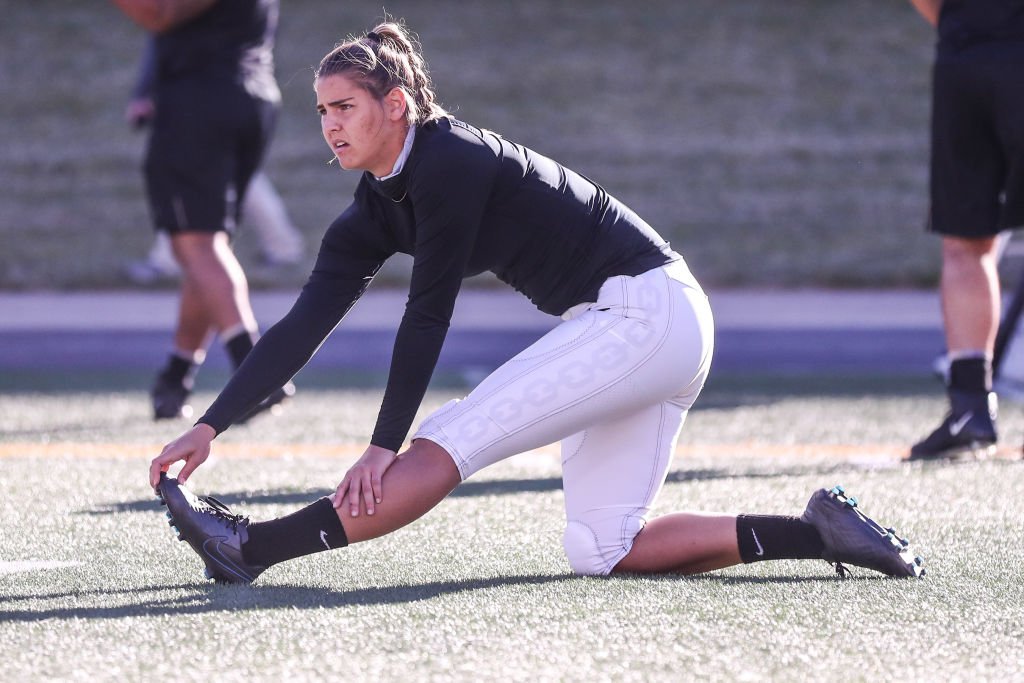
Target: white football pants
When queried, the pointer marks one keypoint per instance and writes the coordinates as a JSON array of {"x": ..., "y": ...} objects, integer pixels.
[{"x": 613, "y": 383}]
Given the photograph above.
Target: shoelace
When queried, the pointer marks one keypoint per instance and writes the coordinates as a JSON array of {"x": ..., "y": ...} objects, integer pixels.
[
  {"x": 842, "y": 571},
  {"x": 222, "y": 511}
]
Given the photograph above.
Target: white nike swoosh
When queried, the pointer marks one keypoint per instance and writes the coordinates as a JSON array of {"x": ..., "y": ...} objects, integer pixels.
[
  {"x": 760, "y": 550},
  {"x": 323, "y": 537},
  {"x": 958, "y": 426}
]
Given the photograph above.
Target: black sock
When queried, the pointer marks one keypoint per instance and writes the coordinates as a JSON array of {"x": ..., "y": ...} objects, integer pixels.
[
  {"x": 312, "y": 529},
  {"x": 180, "y": 370},
  {"x": 971, "y": 375},
  {"x": 774, "y": 537},
  {"x": 239, "y": 346}
]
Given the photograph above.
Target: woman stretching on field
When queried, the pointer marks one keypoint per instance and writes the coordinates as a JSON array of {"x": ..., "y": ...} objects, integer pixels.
[{"x": 613, "y": 382}]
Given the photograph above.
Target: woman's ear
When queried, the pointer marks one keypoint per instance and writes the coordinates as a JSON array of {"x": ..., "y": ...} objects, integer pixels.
[{"x": 396, "y": 103}]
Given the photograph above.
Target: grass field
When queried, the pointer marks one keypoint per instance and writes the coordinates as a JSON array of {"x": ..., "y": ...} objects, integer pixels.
[
  {"x": 93, "y": 587},
  {"x": 774, "y": 143}
]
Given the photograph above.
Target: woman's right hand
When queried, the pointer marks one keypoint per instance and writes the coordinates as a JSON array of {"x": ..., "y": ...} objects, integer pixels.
[{"x": 193, "y": 447}]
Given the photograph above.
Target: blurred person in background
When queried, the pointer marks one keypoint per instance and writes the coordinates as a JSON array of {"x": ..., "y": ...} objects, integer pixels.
[
  {"x": 613, "y": 382},
  {"x": 263, "y": 211},
  {"x": 215, "y": 104},
  {"x": 977, "y": 191}
]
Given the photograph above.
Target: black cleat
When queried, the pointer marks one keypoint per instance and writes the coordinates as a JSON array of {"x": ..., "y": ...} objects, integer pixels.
[
  {"x": 170, "y": 399},
  {"x": 213, "y": 531},
  {"x": 271, "y": 404},
  {"x": 851, "y": 536},
  {"x": 968, "y": 430}
]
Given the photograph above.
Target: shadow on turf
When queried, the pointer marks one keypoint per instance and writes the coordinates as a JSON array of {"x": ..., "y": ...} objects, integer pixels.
[
  {"x": 499, "y": 487},
  {"x": 207, "y": 597}
]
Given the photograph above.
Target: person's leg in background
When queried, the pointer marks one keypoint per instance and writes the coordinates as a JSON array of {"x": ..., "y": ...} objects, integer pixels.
[
  {"x": 202, "y": 157},
  {"x": 192, "y": 334},
  {"x": 968, "y": 177},
  {"x": 969, "y": 290},
  {"x": 214, "y": 297}
]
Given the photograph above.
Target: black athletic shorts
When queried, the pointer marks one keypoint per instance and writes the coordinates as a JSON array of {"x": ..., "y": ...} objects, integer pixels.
[
  {"x": 206, "y": 144},
  {"x": 977, "y": 167}
]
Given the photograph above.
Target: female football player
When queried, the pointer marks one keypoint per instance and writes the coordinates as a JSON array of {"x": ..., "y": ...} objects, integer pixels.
[{"x": 613, "y": 382}]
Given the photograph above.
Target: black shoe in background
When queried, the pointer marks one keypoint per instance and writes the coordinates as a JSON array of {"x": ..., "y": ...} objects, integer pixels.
[
  {"x": 170, "y": 399},
  {"x": 968, "y": 430}
]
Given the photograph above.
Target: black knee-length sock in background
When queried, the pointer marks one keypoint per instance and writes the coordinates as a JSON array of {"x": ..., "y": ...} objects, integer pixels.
[
  {"x": 239, "y": 346},
  {"x": 180, "y": 370}
]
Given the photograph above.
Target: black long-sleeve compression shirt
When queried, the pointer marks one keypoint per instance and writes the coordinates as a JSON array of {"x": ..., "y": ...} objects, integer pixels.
[{"x": 466, "y": 201}]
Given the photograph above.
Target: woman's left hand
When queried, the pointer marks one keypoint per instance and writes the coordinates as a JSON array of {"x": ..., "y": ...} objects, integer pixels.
[{"x": 363, "y": 480}]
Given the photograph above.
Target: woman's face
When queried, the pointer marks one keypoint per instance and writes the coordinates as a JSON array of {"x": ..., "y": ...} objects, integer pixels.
[{"x": 364, "y": 133}]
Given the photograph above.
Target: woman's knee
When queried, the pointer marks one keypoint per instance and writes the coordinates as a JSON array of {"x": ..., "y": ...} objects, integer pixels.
[
  {"x": 595, "y": 546},
  {"x": 439, "y": 458},
  {"x": 960, "y": 250}
]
